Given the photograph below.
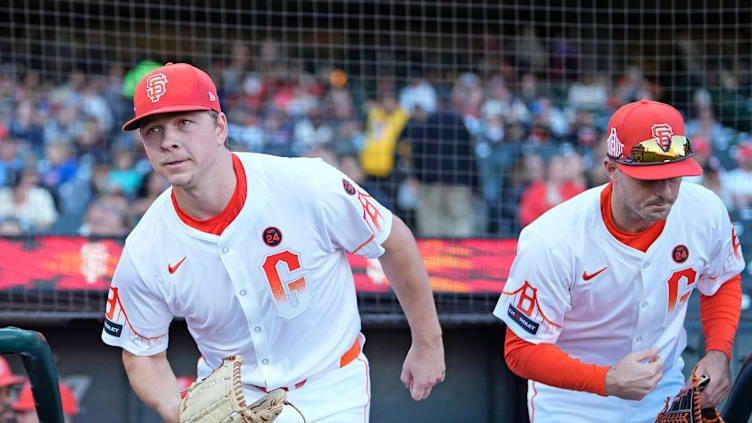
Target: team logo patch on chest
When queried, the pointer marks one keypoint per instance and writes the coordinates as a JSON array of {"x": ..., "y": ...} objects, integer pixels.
[
  {"x": 349, "y": 188},
  {"x": 271, "y": 236},
  {"x": 680, "y": 254}
]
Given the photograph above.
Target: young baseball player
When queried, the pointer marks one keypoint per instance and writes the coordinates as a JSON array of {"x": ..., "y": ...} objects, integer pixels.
[
  {"x": 596, "y": 297},
  {"x": 251, "y": 250}
]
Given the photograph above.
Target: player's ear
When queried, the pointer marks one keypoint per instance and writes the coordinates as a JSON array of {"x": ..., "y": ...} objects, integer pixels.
[
  {"x": 610, "y": 166},
  {"x": 221, "y": 127}
]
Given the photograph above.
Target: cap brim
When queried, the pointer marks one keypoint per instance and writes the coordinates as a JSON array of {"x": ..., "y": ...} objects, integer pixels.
[
  {"x": 11, "y": 380},
  {"x": 686, "y": 167},
  {"x": 135, "y": 123}
]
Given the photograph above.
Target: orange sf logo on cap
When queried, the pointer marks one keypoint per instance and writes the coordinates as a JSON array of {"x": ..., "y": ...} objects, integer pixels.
[{"x": 156, "y": 86}]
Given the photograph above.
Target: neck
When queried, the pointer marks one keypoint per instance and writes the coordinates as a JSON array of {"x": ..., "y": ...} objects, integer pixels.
[{"x": 211, "y": 194}]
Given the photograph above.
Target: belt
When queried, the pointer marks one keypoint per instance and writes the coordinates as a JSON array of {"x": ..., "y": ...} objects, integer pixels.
[{"x": 346, "y": 359}]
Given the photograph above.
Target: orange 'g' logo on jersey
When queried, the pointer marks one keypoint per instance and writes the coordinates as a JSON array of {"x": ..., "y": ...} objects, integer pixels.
[
  {"x": 156, "y": 86},
  {"x": 663, "y": 132}
]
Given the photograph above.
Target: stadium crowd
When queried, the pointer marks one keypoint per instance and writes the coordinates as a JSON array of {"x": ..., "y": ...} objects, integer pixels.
[{"x": 455, "y": 154}]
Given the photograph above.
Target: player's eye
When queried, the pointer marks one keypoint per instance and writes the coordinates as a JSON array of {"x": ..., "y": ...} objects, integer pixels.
[
  {"x": 152, "y": 130},
  {"x": 185, "y": 122}
]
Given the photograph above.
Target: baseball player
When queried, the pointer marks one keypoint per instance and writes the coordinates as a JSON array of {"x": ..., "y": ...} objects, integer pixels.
[
  {"x": 596, "y": 297},
  {"x": 7, "y": 382},
  {"x": 251, "y": 250}
]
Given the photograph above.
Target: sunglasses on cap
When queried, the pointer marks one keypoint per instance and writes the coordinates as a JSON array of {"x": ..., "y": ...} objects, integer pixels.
[{"x": 650, "y": 152}]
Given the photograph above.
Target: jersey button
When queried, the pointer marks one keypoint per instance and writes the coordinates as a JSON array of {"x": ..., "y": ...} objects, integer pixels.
[
  {"x": 225, "y": 250},
  {"x": 645, "y": 304},
  {"x": 264, "y": 361},
  {"x": 639, "y": 339},
  {"x": 242, "y": 292},
  {"x": 257, "y": 328}
]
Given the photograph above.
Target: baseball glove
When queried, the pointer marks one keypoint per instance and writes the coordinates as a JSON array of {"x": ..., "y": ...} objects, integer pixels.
[
  {"x": 219, "y": 399},
  {"x": 686, "y": 407}
]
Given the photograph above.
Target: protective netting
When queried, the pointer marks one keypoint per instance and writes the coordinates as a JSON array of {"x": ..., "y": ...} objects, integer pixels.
[{"x": 468, "y": 119}]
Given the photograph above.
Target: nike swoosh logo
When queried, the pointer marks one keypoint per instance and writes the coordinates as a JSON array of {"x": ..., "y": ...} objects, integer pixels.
[
  {"x": 172, "y": 269},
  {"x": 588, "y": 277}
]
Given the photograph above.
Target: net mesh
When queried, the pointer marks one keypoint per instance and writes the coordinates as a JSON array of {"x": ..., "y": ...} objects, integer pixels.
[{"x": 446, "y": 111}]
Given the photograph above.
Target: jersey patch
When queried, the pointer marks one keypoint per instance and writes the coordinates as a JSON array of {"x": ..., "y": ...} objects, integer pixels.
[
  {"x": 519, "y": 317},
  {"x": 112, "y": 328},
  {"x": 349, "y": 188},
  {"x": 272, "y": 236},
  {"x": 680, "y": 254}
]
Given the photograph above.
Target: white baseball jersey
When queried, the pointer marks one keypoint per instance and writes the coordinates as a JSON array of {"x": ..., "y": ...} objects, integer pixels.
[
  {"x": 573, "y": 284},
  {"x": 275, "y": 286}
]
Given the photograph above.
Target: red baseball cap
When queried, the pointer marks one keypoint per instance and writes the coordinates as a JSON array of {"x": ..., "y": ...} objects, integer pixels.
[
  {"x": 25, "y": 401},
  {"x": 6, "y": 377},
  {"x": 175, "y": 87},
  {"x": 644, "y": 120}
]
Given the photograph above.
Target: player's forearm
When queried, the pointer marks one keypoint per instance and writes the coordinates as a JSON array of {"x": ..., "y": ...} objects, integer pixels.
[
  {"x": 720, "y": 316},
  {"x": 403, "y": 267},
  {"x": 154, "y": 383}
]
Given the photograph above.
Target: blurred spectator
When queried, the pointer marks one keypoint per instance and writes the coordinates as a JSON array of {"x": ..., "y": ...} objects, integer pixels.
[
  {"x": 444, "y": 163},
  {"x": 550, "y": 117},
  {"x": 123, "y": 176},
  {"x": 65, "y": 123},
  {"x": 94, "y": 104},
  {"x": 595, "y": 171},
  {"x": 705, "y": 126},
  {"x": 386, "y": 120},
  {"x": 584, "y": 132},
  {"x": 7, "y": 382},
  {"x": 418, "y": 92},
  {"x": 703, "y": 153},
  {"x": 711, "y": 179},
  {"x": 588, "y": 94},
  {"x": 105, "y": 217},
  {"x": 500, "y": 101},
  {"x": 27, "y": 124},
  {"x": 26, "y": 410},
  {"x": 279, "y": 135},
  {"x": 59, "y": 166},
  {"x": 737, "y": 183},
  {"x": 244, "y": 129},
  {"x": 558, "y": 187},
  {"x": 467, "y": 95},
  {"x": 527, "y": 169},
  {"x": 530, "y": 52},
  {"x": 91, "y": 141},
  {"x": 233, "y": 75},
  {"x": 152, "y": 185},
  {"x": 10, "y": 158},
  {"x": 311, "y": 131},
  {"x": 632, "y": 86},
  {"x": 23, "y": 199}
]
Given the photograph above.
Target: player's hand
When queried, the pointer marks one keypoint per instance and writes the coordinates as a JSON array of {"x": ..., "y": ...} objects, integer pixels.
[
  {"x": 635, "y": 375},
  {"x": 715, "y": 365},
  {"x": 423, "y": 368}
]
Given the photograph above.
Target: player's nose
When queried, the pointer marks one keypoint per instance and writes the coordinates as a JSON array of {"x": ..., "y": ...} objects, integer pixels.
[{"x": 169, "y": 138}]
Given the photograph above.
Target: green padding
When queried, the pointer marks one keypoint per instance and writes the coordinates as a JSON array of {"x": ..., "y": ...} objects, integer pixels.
[{"x": 40, "y": 367}]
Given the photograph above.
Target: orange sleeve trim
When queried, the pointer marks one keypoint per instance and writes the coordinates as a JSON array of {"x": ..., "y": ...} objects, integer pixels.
[
  {"x": 720, "y": 315},
  {"x": 548, "y": 364}
]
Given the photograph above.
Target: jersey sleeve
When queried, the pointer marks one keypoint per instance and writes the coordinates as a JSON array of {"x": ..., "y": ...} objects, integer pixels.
[
  {"x": 537, "y": 294},
  {"x": 727, "y": 259},
  {"x": 136, "y": 317},
  {"x": 353, "y": 220}
]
